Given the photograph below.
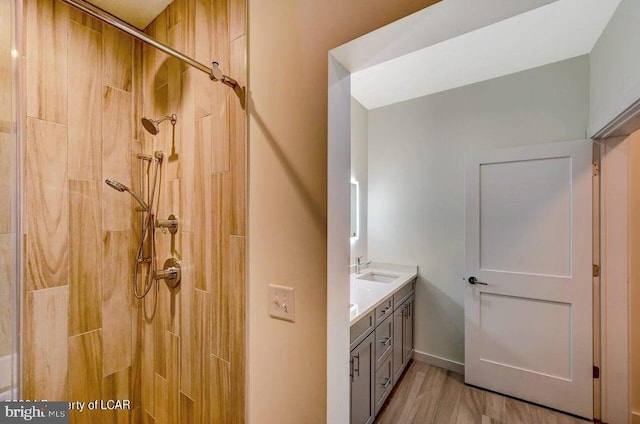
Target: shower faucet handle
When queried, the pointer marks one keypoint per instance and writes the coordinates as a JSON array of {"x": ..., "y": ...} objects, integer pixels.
[
  {"x": 170, "y": 224},
  {"x": 171, "y": 273}
]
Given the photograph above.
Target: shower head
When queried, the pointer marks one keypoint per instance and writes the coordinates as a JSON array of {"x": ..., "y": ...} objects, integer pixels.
[
  {"x": 152, "y": 125},
  {"x": 121, "y": 188},
  {"x": 116, "y": 185}
]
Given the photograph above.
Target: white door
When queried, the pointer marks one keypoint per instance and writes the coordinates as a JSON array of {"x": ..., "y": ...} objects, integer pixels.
[{"x": 528, "y": 331}]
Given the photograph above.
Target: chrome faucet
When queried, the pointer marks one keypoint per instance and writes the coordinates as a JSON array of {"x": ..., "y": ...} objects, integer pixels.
[
  {"x": 171, "y": 274},
  {"x": 360, "y": 264}
]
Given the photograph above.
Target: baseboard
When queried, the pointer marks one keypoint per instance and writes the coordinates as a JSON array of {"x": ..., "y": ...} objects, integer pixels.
[
  {"x": 635, "y": 417},
  {"x": 437, "y": 361}
]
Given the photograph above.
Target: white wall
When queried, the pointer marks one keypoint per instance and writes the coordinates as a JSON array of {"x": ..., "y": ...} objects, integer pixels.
[
  {"x": 359, "y": 172},
  {"x": 416, "y": 177},
  {"x": 615, "y": 79}
]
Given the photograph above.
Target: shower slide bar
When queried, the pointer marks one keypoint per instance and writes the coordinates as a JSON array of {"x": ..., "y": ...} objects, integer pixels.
[{"x": 214, "y": 72}]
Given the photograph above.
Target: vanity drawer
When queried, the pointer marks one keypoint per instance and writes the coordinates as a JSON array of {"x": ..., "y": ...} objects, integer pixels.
[
  {"x": 383, "y": 383},
  {"x": 361, "y": 329},
  {"x": 384, "y": 340},
  {"x": 384, "y": 310},
  {"x": 401, "y": 295}
]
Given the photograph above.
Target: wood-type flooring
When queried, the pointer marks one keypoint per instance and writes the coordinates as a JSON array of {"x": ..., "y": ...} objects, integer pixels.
[{"x": 428, "y": 394}]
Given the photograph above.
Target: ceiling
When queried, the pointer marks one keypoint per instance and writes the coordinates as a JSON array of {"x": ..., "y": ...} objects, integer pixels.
[
  {"x": 557, "y": 31},
  {"x": 138, "y": 13}
]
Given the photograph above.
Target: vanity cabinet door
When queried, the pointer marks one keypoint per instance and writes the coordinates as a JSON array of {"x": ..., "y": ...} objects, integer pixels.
[
  {"x": 407, "y": 336},
  {"x": 398, "y": 346},
  {"x": 402, "y": 336},
  {"x": 361, "y": 371}
]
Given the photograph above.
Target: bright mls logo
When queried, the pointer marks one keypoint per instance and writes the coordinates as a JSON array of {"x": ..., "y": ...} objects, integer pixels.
[{"x": 34, "y": 412}]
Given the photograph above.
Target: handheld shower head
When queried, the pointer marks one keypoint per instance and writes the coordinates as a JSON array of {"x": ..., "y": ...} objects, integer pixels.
[
  {"x": 122, "y": 188},
  {"x": 116, "y": 185},
  {"x": 152, "y": 125}
]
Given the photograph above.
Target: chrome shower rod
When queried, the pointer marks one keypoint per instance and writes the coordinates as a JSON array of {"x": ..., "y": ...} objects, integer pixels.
[{"x": 214, "y": 72}]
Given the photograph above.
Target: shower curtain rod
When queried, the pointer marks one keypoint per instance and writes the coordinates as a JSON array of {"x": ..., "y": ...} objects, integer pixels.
[{"x": 214, "y": 72}]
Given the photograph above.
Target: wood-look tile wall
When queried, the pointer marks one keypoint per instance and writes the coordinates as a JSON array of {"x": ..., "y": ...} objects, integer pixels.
[
  {"x": 194, "y": 351},
  {"x": 179, "y": 356},
  {"x": 7, "y": 184},
  {"x": 79, "y": 341}
]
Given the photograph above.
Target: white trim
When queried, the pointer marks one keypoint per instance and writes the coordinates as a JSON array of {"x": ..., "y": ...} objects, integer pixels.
[
  {"x": 597, "y": 286},
  {"x": 338, "y": 222},
  {"x": 438, "y": 361},
  {"x": 8, "y": 395},
  {"x": 623, "y": 124},
  {"x": 5, "y": 371},
  {"x": 614, "y": 282},
  {"x": 616, "y": 114}
]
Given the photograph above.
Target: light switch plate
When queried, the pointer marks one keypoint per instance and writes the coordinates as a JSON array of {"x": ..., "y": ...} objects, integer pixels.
[{"x": 282, "y": 302}]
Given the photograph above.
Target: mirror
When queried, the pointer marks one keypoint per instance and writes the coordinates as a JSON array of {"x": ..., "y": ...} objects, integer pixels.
[{"x": 353, "y": 232}]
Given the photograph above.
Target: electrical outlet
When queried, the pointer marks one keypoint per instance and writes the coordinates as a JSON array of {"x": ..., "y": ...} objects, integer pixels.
[{"x": 282, "y": 302}]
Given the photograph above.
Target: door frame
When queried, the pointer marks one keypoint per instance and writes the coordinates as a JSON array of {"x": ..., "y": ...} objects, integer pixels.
[
  {"x": 614, "y": 255},
  {"x": 614, "y": 325}
]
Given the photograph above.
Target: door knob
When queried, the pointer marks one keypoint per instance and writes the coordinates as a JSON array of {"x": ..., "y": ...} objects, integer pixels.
[{"x": 474, "y": 280}]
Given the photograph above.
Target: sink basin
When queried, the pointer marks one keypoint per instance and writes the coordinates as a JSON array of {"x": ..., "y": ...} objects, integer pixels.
[{"x": 378, "y": 277}]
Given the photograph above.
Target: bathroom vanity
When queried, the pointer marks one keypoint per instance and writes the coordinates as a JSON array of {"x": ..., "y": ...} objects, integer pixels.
[{"x": 381, "y": 317}]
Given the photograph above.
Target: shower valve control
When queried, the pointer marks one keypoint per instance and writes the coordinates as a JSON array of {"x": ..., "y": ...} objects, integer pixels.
[
  {"x": 171, "y": 273},
  {"x": 170, "y": 224}
]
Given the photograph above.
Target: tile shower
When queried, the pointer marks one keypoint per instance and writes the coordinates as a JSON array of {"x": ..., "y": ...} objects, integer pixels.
[{"x": 177, "y": 355}]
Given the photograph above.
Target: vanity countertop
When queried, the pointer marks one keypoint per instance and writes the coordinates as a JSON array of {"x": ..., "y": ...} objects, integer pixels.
[{"x": 366, "y": 295}]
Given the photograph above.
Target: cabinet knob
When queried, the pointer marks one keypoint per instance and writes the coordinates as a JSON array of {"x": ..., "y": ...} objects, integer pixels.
[{"x": 385, "y": 342}]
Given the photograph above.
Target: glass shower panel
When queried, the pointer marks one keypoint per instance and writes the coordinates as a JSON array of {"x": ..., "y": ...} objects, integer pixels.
[{"x": 8, "y": 204}]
